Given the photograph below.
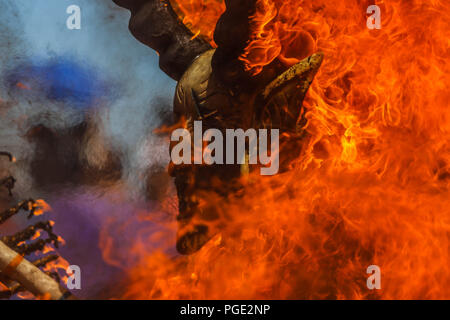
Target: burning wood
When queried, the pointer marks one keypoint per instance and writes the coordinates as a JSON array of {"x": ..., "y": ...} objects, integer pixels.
[
  {"x": 29, "y": 205},
  {"x": 17, "y": 273},
  {"x": 15, "y": 267},
  {"x": 16, "y": 241}
]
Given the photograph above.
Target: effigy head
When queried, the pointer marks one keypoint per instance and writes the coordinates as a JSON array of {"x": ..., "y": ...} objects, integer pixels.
[{"x": 202, "y": 95}]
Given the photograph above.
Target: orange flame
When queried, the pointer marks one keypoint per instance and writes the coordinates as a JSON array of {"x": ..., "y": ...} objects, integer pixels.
[
  {"x": 59, "y": 266},
  {"x": 372, "y": 183},
  {"x": 200, "y": 16},
  {"x": 41, "y": 207},
  {"x": 264, "y": 45},
  {"x": 22, "y": 86}
]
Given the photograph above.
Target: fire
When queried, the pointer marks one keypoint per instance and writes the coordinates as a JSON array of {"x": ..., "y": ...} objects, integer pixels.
[
  {"x": 200, "y": 16},
  {"x": 59, "y": 266},
  {"x": 371, "y": 186},
  {"x": 41, "y": 207},
  {"x": 264, "y": 45}
]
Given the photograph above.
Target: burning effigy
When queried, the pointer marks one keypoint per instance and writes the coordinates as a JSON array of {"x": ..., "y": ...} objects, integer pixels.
[
  {"x": 356, "y": 187},
  {"x": 220, "y": 89}
]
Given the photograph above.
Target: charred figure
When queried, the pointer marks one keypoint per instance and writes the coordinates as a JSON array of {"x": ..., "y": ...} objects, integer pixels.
[{"x": 215, "y": 87}]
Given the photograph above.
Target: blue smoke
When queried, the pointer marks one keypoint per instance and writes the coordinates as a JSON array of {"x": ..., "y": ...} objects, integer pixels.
[{"x": 62, "y": 80}]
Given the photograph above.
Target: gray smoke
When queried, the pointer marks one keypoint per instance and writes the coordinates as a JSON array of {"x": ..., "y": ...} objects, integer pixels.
[{"x": 75, "y": 155}]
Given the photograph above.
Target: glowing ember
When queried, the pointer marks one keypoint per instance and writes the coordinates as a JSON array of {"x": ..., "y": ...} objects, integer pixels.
[
  {"x": 41, "y": 207},
  {"x": 22, "y": 86},
  {"x": 59, "y": 266}
]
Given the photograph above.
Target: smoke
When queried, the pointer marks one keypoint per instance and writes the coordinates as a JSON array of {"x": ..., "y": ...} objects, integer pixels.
[{"x": 77, "y": 110}]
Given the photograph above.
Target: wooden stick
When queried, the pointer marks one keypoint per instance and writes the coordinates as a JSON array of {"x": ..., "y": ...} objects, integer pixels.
[{"x": 17, "y": 268}]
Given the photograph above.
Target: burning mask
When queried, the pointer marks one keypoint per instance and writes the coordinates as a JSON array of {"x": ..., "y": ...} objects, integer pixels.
[{"x": 220, "y": 89}]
